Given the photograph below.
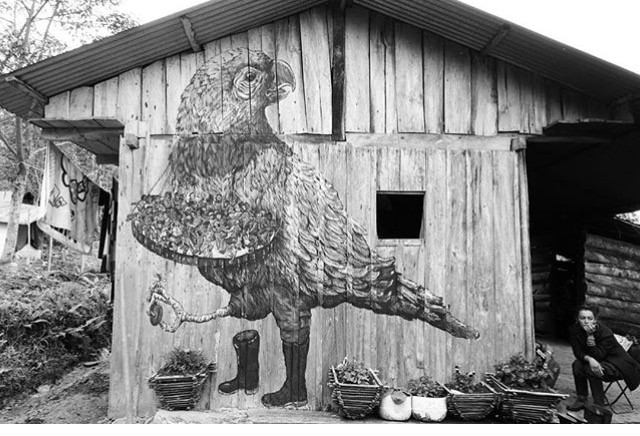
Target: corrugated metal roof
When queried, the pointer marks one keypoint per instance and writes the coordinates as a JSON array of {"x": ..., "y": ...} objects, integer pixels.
[
  {"x": 451, "y": 19},
  {"x": 474, "y": 28}
]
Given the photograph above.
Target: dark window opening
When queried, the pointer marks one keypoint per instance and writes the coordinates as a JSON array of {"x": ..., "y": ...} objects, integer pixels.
[{"x": 399, "y": 214}]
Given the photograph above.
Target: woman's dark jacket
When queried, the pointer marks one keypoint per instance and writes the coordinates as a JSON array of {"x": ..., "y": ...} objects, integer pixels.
[{"x": 607, "y": 349}]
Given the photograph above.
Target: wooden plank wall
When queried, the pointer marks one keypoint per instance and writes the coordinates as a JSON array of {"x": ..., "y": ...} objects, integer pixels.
[
  {"x": 613, "y": 282},
  {"x": 471, "y": 224},
  {"x": 398, "y": 79}
]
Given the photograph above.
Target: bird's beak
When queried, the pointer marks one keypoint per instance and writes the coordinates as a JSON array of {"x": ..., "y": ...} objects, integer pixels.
[{"x": 284, "y": 82}]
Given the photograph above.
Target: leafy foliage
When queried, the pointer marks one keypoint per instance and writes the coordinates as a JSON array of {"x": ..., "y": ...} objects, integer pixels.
[
  {"x": 354, "y": 372},
  {"x": 425, "y": 386},
  {"x": 465, "y": 383},
  {"x": 49, "y": 322},
  {"x": 519, "y": 373},
  {"x": 183, "y": 362}
]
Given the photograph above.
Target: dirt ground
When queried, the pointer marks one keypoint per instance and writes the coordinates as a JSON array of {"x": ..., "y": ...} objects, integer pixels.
[{"x": 80, "y": 397}]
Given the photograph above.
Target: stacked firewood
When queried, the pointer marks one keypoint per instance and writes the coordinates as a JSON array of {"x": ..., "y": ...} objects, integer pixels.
[
  {"x": 541, "y": 261},
  {"x": 612, "y": 276}
]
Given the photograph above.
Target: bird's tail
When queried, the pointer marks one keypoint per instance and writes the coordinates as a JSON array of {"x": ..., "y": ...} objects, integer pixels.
[{"x": 392, "y": 294}]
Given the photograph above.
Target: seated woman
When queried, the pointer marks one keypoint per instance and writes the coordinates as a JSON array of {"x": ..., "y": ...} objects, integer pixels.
[{"x": 599, "y": 357}]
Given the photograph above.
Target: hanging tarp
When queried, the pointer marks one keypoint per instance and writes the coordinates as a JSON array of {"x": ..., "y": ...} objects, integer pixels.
[{"x": 71, "y": 203}]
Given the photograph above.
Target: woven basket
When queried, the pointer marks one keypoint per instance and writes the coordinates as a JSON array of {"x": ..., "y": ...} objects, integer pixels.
[
  {"x": 242, "y": 257},
  {"x": 472, "y": 407},
  {"x": 177, "y": 392},
  {"x": 355, "y": 401},
  {"x": 526, "y": 406}
]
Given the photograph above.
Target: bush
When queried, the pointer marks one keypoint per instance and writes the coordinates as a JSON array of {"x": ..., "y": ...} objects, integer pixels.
[
  {"x": 465, "y": 383},
  {"x": 354, "y": 372},
  {"x": 183, "y": 362},
  {"x": 45, "y": 330},
  {"x": 519, "y": 373},
  {"x": 425, "y": 386}
]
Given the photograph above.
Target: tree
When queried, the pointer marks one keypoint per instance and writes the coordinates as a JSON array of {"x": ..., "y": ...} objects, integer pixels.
[{"x": 32, "y": 30}]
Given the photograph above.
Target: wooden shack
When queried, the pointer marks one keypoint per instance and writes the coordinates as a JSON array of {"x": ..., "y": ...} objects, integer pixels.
[{"x": 433, "y": 99}]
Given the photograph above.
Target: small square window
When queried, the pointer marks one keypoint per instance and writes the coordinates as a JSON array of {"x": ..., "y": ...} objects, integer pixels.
[{"x": 399, "y": 214}]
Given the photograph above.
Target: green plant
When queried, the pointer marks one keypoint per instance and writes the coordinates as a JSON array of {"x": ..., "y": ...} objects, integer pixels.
[
  {"x": 354, "y": 372},
  {"x": 183, "y": 362},
  {"x": 49, "y": 322},
  {"x": 519, "y": 373},
  {"x": 465, "y": 383},
  {"x": 425, "y": 386}
]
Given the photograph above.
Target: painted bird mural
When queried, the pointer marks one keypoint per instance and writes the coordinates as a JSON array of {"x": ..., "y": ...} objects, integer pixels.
[{"x": 264, "y": 225}]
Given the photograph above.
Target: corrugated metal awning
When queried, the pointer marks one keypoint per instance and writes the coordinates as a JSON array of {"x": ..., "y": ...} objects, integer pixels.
[
  {"x": 451, "y": 19},
  {"x": 587, "y": 168},
  {"x": 101, "y": 136}
]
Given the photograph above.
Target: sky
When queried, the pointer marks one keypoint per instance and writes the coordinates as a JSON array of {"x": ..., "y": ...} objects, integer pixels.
[{"x": 607, "y": 29}]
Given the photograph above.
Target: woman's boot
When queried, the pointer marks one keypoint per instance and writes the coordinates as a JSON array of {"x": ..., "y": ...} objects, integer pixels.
[{"x": 247, "y": 346}]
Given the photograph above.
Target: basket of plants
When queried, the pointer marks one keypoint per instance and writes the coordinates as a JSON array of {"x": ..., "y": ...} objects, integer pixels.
[
  {"x": 178, "y": 385},
  {"x": 428, "y": 399},
  {"x": 525, "y": 394},
  {"x": 468, "y": 399},
  {"x": 356, "y": 388}
]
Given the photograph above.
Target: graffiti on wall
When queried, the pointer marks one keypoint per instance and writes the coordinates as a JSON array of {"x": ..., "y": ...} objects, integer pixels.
[{"x": 264, "y": 225}]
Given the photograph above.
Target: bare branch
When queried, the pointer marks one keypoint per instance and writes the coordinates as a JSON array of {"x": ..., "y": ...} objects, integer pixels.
[{"x": 6, "y": 143}]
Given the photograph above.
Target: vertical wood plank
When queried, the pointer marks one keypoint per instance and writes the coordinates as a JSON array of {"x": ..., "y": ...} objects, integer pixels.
[
  {"x": 525, "y": 78},
  {"x": 412, "y": 178},
  {"x": 130, "y": 99},
  {"x": 554, "y": 101},
  {"x": 377, "y": 72},
  {"x": 409, "y": 80},
  {"x": 527, "y": 295},
  {"x": 316, "y": 67},
  {"x": 507, "y": 322},
  {"x": 573, "y": 105},
  {"x": 508, "y": 97},
  {"x": 480, "y": 290},
  {"x": 539, "y": 117},
  {"x": 391, "y": 118},
  {"x": 174, "y": 89},
  {"x": 360, "y": 183},
  {"x": 81, "y": 102},
  {"x": 154, "y": 109},
  {"x": 389, "y": 329},
  {"x": 58, "y": 106},
  {"x": 105, "y": 98},
  {"x": 457, "y": 249},
  {"x": 334, "y": 167},
  {"x": 457, "y": 88},
  {"x": 357, "y": 101},
  {"x": 484, "y": 102},
  {"x": 269, "y": 48},
  {"x": 437, "y": 229},
  {"x": 596, "y": 109},
  {"x": 433, "y": 79},
  {"x": 213, "y": 48},
  {"x": 291, "y": 110}
]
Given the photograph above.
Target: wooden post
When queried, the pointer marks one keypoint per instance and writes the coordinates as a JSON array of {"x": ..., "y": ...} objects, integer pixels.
[
  {"x": 50, "y": 254},
  {"x": 337, "y": 71}
]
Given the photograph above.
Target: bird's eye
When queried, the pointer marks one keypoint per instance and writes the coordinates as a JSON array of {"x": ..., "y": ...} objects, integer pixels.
[{"x": 250, "y": 76}]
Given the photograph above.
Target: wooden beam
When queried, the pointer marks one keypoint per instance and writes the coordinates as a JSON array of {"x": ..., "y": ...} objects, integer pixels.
[
  {"x": 190, "y": 33},
  {"x": 80, "y": 134},
  {"x": 495, "y": 40},
  {"x": 338, "y": 70},
  {"x": 26, "y": 89}
]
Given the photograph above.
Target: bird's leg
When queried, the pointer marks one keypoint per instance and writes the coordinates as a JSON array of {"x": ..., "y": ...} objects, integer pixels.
[{"x": 157, "y": 294}]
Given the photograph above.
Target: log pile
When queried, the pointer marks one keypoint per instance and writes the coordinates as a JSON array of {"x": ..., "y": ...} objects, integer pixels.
[
  {"x": 541, "y": 261},
  {"x": 612, "y": 276}
]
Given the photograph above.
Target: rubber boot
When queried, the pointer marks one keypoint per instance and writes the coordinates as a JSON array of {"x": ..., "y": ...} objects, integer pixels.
[
  {"x": 247, "y": 346},
  {"x": 293, "y": 392}
]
